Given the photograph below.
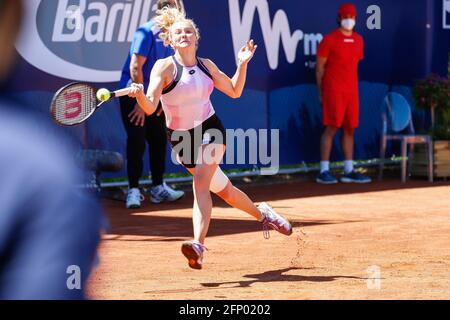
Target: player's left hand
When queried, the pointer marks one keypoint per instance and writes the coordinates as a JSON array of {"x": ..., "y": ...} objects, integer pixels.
[{"x": 246, "y": 53}]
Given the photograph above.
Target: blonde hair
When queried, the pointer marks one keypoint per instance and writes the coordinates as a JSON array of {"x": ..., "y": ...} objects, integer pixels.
[{"x": 167, "y": 17}]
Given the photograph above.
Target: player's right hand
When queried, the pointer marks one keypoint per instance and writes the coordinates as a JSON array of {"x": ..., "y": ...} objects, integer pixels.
[{"x": 137, "y": 89}]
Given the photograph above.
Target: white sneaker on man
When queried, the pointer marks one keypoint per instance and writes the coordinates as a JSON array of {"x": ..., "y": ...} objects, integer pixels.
[
  {"x": 163, "y": 193},
  {"x": 134, "y": 198}
]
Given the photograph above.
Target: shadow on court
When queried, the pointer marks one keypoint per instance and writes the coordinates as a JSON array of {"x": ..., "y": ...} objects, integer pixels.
[
  {"x": 288, "y": 190},
  {"x": 298, "y": 190},
  {"x": 265, "y": 277},
  {"x": 161, "y": 228},
  {"x": 158, "y": 227},
  {"x": 276, "y": 276}
]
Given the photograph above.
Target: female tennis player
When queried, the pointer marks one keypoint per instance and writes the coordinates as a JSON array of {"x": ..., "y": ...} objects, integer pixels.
[{"x": 183, "y": 83}]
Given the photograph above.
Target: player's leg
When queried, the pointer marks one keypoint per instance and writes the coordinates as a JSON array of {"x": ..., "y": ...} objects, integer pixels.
[
  {"x": 222, "y": 186},
  {"x": 239, "y": 200},
  {"x": 201, "y": 212},
  {"x": 204, "y": 171},
  {"x": 263, "y": 213}
]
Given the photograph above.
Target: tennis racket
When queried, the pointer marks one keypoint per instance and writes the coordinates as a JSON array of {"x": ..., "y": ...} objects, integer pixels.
[{"x": 76, "y": 102}]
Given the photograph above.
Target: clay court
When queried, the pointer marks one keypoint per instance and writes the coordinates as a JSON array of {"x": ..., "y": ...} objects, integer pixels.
[{"x": 343, "y": 235}]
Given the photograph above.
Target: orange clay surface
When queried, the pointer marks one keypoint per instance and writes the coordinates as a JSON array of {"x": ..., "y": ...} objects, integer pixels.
[{"x": 379, "y": 241}]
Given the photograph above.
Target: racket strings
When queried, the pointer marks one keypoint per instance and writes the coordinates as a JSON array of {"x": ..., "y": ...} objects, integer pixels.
[{"x": 74, "y": 104}]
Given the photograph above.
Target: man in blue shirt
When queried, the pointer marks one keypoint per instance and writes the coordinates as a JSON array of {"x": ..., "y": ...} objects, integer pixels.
[
  {"x": 49, "y": 229},
  {"x": 145, "y": 50}
]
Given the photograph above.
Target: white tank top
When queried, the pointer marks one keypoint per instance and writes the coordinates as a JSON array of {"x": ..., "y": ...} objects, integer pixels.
[{"x": 186, "y": 101}]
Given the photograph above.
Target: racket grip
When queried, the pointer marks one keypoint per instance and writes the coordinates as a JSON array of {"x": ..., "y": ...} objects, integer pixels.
[{"x": 121, "y": 92}]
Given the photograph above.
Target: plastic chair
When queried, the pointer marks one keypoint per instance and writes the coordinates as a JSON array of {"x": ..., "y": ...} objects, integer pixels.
[{"x": 397, "y": 119}]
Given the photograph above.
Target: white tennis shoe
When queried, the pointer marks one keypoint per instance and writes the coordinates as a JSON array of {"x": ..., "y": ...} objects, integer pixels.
[
  {"x": 134, "y": 198},
  {"x": 273, "y": 220}
]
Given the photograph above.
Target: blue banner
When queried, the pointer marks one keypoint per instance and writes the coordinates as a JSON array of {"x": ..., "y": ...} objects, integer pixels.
[{"x": 81, "y": 40}]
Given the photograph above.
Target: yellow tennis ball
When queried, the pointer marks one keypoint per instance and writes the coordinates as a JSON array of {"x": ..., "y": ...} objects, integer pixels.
[{"x": 103, "y": 94}]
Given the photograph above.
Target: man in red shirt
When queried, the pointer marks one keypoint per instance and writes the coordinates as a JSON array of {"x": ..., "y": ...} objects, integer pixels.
[{"x": 337, "y": 78}]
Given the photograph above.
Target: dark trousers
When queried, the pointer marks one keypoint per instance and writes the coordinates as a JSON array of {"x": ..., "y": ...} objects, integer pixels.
[{"x": 154, "y": 133}]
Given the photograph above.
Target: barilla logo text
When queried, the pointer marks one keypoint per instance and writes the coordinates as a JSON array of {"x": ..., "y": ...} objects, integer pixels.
[
  {"x": 79, "y": 39},
  {"x": 72, "y": 26},
  {"x": 87, "y": 40}
]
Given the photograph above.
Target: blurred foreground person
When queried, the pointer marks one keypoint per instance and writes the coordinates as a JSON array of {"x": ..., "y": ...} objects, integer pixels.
[{"x": 49, "y": 230}]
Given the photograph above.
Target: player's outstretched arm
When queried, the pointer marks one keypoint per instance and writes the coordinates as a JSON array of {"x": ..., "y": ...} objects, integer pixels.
[
  {"x": 233, "y": 87},
  {"x": 158, "y": 78}
]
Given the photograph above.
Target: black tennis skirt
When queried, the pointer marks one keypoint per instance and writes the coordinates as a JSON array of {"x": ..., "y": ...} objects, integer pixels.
[{"x": 187, "y": 142}]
